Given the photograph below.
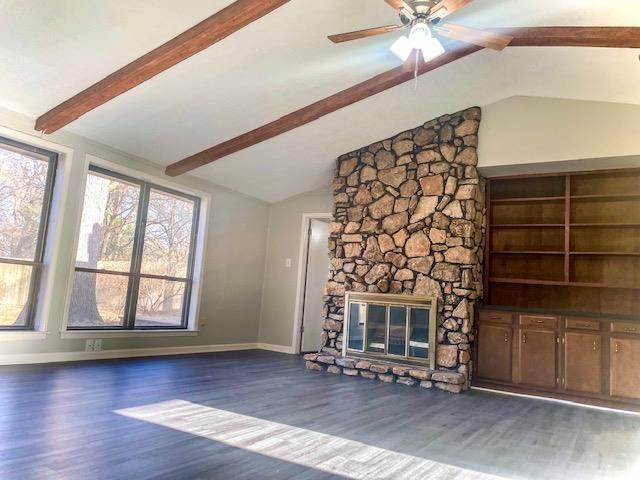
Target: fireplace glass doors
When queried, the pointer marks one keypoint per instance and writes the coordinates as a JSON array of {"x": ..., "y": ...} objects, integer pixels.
[{"x": 398, "y": 327}]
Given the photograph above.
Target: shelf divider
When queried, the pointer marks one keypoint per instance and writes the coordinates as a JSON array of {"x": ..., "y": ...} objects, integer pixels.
[{"x": 567, "y": 227}]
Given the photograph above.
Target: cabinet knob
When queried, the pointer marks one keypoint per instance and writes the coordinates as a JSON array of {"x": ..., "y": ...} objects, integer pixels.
[
  {"x": 617, "y": 347},
  {"x": 524, "y": 338},
  {"x": 595, "y": 347},
  {"x": 506, "y": 337}
]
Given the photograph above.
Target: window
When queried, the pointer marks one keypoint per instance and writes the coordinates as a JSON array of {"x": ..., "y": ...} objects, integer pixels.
[
  {"x": 26, "y": 187},
  {"x": 134, "y": 263}
]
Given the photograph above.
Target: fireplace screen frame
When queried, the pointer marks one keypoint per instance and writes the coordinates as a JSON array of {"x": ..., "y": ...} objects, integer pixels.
[{"x": 388, "y": 300}]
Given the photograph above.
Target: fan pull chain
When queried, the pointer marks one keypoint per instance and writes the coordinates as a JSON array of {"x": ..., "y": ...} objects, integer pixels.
[{"x": 415, "y": 71}]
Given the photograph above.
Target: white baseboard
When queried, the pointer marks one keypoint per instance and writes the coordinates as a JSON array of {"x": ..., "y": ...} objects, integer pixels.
[
  {"x": 556, "y": 400},
  {"x": 24, "y": 358},
  {"x": 275, "y": 348}
]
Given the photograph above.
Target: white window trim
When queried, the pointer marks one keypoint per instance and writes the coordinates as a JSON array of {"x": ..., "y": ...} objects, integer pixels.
[
  {"x": 198, "y": 265},
  {"x": 54, "y": 235}
]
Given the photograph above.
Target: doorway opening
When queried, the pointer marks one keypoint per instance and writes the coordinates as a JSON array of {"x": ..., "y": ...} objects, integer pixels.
[{"x": 313, "y": 276}]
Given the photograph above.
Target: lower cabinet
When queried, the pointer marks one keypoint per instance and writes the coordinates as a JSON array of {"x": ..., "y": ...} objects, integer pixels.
[
  {"x": 537, "y": 358},
  {"x": 494, "y": 352},
  {"x": 583, "y": 362},
  {"x": 624, "y": 363},
  {"x": 586, "y": 357}
]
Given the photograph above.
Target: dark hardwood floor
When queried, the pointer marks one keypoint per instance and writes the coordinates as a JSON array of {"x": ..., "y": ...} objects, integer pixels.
[{"x": 259, "y": 414}]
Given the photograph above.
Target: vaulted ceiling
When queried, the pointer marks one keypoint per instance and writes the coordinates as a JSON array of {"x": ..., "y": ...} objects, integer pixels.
[{"x": 52, "y": 50}]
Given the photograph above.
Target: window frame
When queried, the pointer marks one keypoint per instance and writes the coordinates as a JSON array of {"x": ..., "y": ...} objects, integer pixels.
[
  {"x": 134, "y": 275},
  {"x": 38, "y": 262}
]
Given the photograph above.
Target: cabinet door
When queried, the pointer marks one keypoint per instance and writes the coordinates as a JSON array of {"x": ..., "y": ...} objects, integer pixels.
[
  {"x": 494, "y": 352},
  {"x": 537, "y": 356},
  {"x": 583, "y": 362},
  {"x": 625, "y": 374}
]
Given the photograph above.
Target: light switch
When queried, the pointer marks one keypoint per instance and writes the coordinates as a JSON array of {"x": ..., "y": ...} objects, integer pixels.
[{"x": 287, "y": 262}]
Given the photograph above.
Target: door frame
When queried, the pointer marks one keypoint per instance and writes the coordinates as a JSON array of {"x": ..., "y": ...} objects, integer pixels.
[{"x": 302, "y": 274}]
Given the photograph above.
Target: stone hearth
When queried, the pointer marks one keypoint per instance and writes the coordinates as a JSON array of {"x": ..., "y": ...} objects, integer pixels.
[{"x": 409, "y": 218}]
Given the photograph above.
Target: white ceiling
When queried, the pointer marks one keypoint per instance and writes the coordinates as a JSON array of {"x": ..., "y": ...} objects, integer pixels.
[{"x": 51, "y": 50}]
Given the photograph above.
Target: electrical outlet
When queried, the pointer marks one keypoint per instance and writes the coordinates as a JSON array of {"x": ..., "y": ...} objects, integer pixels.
[
  {"x": 97, "y": 345},
  {"x": 88, "y": 346}
]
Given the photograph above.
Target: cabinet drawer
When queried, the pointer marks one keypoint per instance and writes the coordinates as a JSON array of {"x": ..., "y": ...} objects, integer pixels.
[
  {"x": 538, "y": 321},
  {"x": 583, "y": 324},
  {"x": 504, "y": 318},
  {"x": 626, "y": 327}
]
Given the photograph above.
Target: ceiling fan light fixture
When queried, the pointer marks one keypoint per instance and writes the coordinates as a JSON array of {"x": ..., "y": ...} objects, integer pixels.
[
  {"x": 432, "y": 49},
  {"x": 419, "y": 35},
  {"x": 402, "y": 48}
]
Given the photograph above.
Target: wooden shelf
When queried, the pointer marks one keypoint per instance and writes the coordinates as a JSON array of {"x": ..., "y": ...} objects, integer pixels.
[
  {"x": 527, "y": 225},
  {"x": 527, "y": 281},
  {"x": 604, "y": 225},
  {"x": 622, "y": 254},
  {"x": 560, "y": 283},
  {"x": 528, "y": 252},
  {"x": 527, "y": 199},
  {"x": 568, "y": 240},
  {"x": 613, "y": 196}
]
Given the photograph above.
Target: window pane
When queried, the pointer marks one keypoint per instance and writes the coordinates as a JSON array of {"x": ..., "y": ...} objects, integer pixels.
[
  {"x": 356, "y": 326},
  {"x": 14, "y": 294},
  {"x": 376, "y": 328},
  {"x": 98, "y": 300},
  {"x": 167, "y": 239},
  {"x": 419, "y": 333},
  {"x": 159, "y": 303},
  {"x": 397, "y": 330},
  {"x": 108, "y": 224},
  {"x": 23, "y": 182}
]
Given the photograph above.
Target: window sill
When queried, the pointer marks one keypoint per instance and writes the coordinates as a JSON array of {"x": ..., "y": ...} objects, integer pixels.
[
  {"x": 127, "y": 333},
  {"x": 22, "y": 335}
]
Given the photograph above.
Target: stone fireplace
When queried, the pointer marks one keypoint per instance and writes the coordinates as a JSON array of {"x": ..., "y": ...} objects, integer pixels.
[
  {"x": 395, "y": 327},
  {"x": 409, "y": 219}
]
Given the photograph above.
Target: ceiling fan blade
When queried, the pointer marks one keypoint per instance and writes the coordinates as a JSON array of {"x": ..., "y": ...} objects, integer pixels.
[
  {"x": 447, "y": 7},
  {"x": 482, "y": 38},
  {"x": 399, "y": 5},
  {"x": 368, "y": 32}
]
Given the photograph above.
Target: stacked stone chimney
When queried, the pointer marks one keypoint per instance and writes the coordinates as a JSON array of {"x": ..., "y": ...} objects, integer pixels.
[{"x": 409, "y": 218}]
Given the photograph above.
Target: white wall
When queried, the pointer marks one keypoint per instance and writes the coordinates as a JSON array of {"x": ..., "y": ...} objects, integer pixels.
[
  {"x": 280, "y": 282},
  {"x": 234, "y": 259},
  {"x": 525, "y": 131}
]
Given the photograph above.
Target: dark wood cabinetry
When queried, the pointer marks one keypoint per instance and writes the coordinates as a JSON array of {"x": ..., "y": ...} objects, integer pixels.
[
  {"x": 494, "y": 354},
  {"x": 592, "y": 359},
  {"x": 625, "y": 367},
  {"x": 537, "y": 358},
  {"x": 562, "y": 264},
  {"x": 583, "y": 362},
  {"x": 565, "y": 241}
]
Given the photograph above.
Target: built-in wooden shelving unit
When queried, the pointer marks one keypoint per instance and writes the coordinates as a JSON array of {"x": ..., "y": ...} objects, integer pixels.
[{"x": 565, "y": 241}]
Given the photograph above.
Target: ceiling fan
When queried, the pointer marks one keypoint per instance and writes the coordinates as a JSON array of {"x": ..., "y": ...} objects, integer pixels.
[{"x": 423, "y": 19}]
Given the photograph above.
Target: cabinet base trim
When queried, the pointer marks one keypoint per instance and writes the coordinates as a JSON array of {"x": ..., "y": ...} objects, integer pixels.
[{"x": 597, "y": 404}]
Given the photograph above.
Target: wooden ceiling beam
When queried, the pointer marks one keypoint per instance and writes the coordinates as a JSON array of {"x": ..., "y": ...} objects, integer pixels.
[
  {"x": 203, "y": 35},
  {"x": 617, "y": 37},
  {"x": 368, "y": 88},
  {"x": 607, "y": 37}
]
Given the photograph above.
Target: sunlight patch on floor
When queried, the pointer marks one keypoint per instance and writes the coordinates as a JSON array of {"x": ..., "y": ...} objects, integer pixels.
[{"x": 319, "y": 451}]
